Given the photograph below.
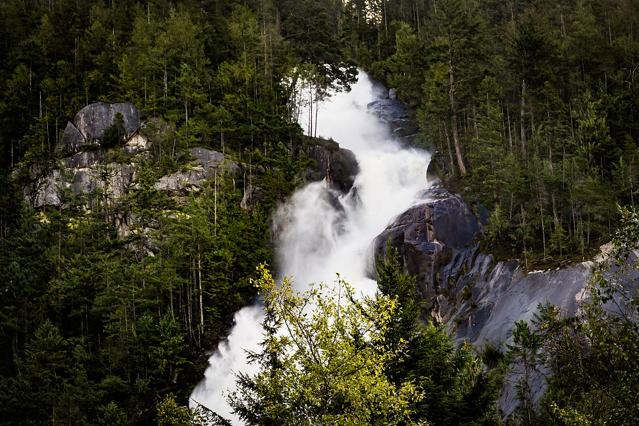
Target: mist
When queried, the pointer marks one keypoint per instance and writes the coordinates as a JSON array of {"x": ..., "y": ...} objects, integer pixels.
[{"x": 321, "y": 232}]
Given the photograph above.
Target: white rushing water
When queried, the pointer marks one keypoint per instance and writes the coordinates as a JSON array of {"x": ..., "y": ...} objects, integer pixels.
[{"x": 319, "y": 237}]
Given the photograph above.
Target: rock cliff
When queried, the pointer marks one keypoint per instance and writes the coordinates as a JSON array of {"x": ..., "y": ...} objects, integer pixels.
[{"x": 477, "y": 297}]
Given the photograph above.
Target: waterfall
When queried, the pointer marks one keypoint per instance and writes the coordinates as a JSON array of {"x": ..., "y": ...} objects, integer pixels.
[{"x": 321, "y": 232}]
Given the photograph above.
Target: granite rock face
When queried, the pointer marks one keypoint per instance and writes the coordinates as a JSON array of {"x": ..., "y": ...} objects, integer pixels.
[
  {"x": 205, "y": 165},
  {"x": 337, "y": 165},
  {"x": 72, "y": 140},
  {"x": 428, "y": 236},
  {"x": 94, "y": 119},
  {"x": 397, "y": 115},
  {"x": 90, "y": 123},
  {"x": 477, "y": 297}
]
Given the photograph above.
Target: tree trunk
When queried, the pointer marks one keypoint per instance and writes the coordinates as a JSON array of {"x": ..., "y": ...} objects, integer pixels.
[
  {"x": 199, "y": 282},
  {"x": 450, "y": 151},
  {"x": 522, "y": 119},
  {"x": 453, "y": 121}
]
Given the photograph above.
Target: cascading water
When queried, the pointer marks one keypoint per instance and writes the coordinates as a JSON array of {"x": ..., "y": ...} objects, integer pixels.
[{"x": 320, "y": 237}]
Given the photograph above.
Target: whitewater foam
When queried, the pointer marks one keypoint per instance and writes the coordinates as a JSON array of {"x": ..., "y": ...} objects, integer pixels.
[{"x": 318, "y": 237}]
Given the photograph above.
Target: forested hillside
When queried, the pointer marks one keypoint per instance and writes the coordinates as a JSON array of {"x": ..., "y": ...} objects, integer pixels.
[
  {"x": 96, "y": 325},
  {"x": 532, "y": 106}
]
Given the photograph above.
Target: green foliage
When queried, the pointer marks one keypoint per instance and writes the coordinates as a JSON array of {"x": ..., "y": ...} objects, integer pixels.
[
  {"x": 535, "y": 100},
  {"x": 323, "y": 360},
  {"x": 114, "y": 134},
  {"x": 170, "y": 413},
  {"x": 131, "y": 292},
  {"x": 593, "y": 356}
]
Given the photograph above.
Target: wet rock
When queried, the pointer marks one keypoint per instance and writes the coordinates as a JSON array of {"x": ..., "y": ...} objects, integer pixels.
[
  {"x": 428, "y": 235},
  {"x": 398, "y": 117},
  {"x": 478, "y": 298},
  {"x": 337, "y": 165}
]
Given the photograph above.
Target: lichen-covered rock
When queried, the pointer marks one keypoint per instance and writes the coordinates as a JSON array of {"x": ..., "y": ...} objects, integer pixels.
[
  {"x": 205, "y": 165},
  {"x": 72, "y": 140},
  {"x": 337, "y": 165},
  {"x": 94, "y": 119}
]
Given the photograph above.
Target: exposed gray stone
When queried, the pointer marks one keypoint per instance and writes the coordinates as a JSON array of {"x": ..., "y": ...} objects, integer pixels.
[
  {"x": 182, "y": 181},
  {"x": 207, "y": 158},
  {"x": 94, "y": 119},
  {"x": 205, "y": 165},
  {"x": 397, "y": 116},
  {"x": 114, "y": 180},
  {"x": 337, "y": 165},
  {"x": 136, "y": 144},
  {"x": 83, "y": 159},
  {"x": 252, "y": 198},
  {"x": 479, "y": 299},
  {"x": 72, "y": 140}
]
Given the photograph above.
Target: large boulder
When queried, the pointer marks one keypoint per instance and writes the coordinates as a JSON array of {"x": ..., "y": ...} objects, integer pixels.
[
  {"x": 94, "y": 119},
  {"x": 337, "y": 165},
  {"x": 113, "y": 180},
  {"x": 72, "y": 140},
  {"x": 428, "y": 235},
  {"x": 90, "y": 123},
  {"x": 397, "y": 115}
]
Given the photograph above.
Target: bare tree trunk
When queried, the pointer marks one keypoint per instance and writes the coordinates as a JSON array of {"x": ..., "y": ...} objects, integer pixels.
[
  {"x": 522, "y": 114},
  {"x": 215, "y": 206},
  {"x": 199, "y": 282},
  {"x": 543, "y": 226},
  {"x": 450, "y": 150},
  {"x": 453, "y": 120},
  {"x": 166, "y": 82},
  {"x": 510, "y": 133}
]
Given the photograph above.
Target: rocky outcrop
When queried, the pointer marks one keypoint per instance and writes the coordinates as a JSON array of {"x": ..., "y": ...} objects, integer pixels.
[
  {"x": 205, "y": 165},
  {"x": 90, "y": 123},
  {"x": 477, "y": 297},
  {"x": 94, "y": 119},
  {"x": 337, "y": 165},
  {"x": 252, "y": 197},
  {"x": 428, "y": 236},
  {"x": 397, "y": 115},
  {"x": 85, "y": 173}
]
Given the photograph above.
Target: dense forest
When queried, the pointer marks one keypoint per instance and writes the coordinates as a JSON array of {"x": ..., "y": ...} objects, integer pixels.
[
  {"x": 532, "y": 106},
  {"x": 529, "y": 105}
]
